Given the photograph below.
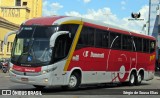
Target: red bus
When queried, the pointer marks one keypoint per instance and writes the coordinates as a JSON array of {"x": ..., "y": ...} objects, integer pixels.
[{"x": 71, "y": 51}]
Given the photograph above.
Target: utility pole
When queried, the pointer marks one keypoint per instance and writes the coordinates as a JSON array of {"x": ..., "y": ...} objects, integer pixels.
[{"x": 149, "y": 16}]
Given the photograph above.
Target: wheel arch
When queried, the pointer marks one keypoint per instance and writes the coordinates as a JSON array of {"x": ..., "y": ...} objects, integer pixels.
[
  {"x": 141, "y": 71},
  {"x": 132, "y": 70},
  {"x": 75, "y": 70}
]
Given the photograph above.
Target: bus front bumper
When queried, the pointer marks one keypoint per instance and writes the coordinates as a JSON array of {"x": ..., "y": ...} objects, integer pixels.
[{"x": 43, "y": 79}]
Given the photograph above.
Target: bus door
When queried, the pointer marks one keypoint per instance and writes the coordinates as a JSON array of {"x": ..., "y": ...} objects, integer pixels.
[{"x": 59, "y": 57}]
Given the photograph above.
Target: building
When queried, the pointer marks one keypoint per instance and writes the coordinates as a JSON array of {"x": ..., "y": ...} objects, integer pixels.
[
  {"x": 6, "y": 26},
  {"x": 16, "y": 11},
  {"x": 12, "y": 14}
]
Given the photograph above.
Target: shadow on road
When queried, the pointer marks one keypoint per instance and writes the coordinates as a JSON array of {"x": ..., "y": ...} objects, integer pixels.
[{"x": 157, "y": 73}]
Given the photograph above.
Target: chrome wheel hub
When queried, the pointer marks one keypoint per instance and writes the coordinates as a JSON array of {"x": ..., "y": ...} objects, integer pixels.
[
  {"x": 132, "y": 79},
  {"x": 72, "y": 81}
]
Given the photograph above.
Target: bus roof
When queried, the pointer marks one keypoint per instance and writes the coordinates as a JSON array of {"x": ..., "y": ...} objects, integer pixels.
[{"x": 51, "y": 20}]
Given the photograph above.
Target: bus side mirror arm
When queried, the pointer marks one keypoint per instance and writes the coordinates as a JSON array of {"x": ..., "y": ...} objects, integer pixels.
[
  {"x": 55, "y": 36},
  {"x": 7, "y": 35}
]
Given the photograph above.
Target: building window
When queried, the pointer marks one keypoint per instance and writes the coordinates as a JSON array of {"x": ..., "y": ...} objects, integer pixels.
[
  {"x": 24, "y": 3},
  {"x": 1, "y": 46},
  {"x": 18, "y": 2},
  {"x": 11, "y": 45},
  {"x": 8, "y": 45}
]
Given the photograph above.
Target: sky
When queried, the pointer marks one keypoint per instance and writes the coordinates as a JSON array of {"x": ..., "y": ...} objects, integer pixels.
[{"x": 115, "y": 12}]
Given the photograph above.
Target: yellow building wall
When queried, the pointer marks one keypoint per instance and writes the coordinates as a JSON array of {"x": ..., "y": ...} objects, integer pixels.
[
  {"x": 4, "y": 28},
  {"x": 18, "y": 14},
  {"x": 6, "y": 54},
  {"x": 7, "y": 2},
  {"x": 15, "y": 15}
]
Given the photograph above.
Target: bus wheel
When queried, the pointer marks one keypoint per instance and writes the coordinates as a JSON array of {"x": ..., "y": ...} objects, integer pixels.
[
  {"x": 132, "y": 79},
  {"x": 38, "y": 86},
  {"x": 4, "y": 70},
  {"x": 74, "y": 81},
  {"x": 139, "y": 79}
]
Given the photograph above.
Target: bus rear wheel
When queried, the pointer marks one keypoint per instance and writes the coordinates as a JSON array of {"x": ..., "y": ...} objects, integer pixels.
[
  {"x": 132, "y": 79},
  {"x": 139, "y": 79}
]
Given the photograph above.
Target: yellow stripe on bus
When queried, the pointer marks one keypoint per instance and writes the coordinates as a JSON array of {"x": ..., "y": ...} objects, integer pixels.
[
  {"x": 73, "y": 46},
  {"x": 152, "y": 57},
  {"x": 72, "y": 22}
]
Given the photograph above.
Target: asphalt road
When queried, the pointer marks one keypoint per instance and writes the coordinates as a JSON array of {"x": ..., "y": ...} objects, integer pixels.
[{"x": 90, "y": 91}]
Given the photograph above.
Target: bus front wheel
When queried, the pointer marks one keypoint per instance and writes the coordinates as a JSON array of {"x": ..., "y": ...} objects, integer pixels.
[{"x": 74, "y": 81}]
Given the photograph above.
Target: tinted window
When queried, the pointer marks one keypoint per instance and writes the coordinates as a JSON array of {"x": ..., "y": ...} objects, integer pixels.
[
  {"x": 102, "y": 38},
  {"x": 72, "y": 28},
  {"x": 87, "y": 36},
  {"x": 145, "y": 45},
  {"x": 115, "y": 41},
  {"x": 61, "y": 48},
  {"x": 127, "y": 43},
  {"x": 36, "y": 31},
  {"x": 138, "y": 44},
  {"x": 152, "y": 46}
]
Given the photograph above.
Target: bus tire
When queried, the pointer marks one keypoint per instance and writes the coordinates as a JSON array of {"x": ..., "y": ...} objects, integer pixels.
[
  {"x": 4, "y": 70},
  {"x": 74, "y": 81},
  {"x": 38, "y": 86},
  {"x": 132, "y": 79},
  {"x": 139, "y": 79}
]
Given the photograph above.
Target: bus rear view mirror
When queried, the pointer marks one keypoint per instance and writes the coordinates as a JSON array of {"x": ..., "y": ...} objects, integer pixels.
[
  {"x": 7, "y": 35},
  {"x": 55, "y": 36}
]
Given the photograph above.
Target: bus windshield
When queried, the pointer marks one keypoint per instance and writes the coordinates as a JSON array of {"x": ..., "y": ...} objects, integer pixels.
[{"x": 31, "y": 45}]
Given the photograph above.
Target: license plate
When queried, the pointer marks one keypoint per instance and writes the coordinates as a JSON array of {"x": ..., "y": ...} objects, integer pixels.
[{"x": 24, "y": 79}]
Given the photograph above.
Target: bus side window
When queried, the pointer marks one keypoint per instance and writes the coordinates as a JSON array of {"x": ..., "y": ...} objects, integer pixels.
[
  {"x": 145, "y": 45},
  {"x": 83, "y": 37},
  {"x": 152, "y": 46},
  {"x": 101, "y": 38},
  {"x": 138, "y": 44},
  {"x": 86, "y": 37},
  {"x": 115, "y": 40},
  {"x": 72, "y": 28},
  {"x": 127, "y": 43},
  {"x": 91, "y": 36},
  {"x": 61, "y": 48}
]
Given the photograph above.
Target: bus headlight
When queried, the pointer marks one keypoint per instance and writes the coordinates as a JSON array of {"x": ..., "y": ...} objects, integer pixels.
[{"x": 49, "y": 70}]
